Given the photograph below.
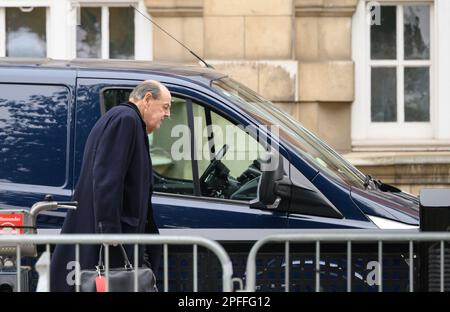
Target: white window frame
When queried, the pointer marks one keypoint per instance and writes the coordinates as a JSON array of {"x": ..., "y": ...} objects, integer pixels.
[
  {"x": 366, "y": 133},
  {"x": 61, "y": 22},
  {"x": 23, "y": 3},
  {"x": 143, "y": 34}
]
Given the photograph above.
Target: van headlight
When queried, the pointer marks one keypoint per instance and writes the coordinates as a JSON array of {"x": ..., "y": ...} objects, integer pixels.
[{"x": 386, "y": 224}]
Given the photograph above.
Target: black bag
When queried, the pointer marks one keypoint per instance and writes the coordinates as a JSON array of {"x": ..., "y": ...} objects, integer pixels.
[{"x": 120, "y": 279}]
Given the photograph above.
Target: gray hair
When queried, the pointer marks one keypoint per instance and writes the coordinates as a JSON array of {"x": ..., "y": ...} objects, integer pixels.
[{"x": 143, "y": 88}]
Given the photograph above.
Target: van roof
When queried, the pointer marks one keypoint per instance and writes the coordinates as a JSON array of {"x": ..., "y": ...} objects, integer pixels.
[{"x": 115, "y": 65}]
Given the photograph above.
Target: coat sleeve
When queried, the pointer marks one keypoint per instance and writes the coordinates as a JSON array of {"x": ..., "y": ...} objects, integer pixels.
[{"x": 111, "y": 162}]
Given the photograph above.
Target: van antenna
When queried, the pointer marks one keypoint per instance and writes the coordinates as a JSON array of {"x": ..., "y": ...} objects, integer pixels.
[{"x": 168, "y": 34}]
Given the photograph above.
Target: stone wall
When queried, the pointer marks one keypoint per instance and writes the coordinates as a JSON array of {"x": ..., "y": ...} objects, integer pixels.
[
  {"x": 184, "y": 20},
  {"x": 326, "y": 72}
]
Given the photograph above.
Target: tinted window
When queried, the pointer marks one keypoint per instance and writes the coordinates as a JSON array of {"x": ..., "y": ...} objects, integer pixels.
[
  {"x": 112, "y": 97},
  {"x": 237, "y": 174},
  {"x": 290, "y": 131},
  {"x": 33, "y": 134},
  {"x": 169, "y": 146}
]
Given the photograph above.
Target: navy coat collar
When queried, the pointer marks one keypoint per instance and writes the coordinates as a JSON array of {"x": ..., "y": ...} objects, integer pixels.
[{"x": 144, "y": 127}]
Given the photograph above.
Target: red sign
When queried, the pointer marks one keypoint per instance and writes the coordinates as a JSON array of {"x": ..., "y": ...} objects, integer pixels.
[{"x": 11, "y": 224}]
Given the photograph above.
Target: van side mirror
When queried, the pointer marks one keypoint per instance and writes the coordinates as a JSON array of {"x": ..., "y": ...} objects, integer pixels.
[
  {"x": 277, "y": 191},
  {"x": 274, "y": 185}
]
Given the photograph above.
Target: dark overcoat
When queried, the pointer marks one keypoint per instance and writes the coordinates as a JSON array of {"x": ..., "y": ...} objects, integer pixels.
[{"x": 113, "y": 193}]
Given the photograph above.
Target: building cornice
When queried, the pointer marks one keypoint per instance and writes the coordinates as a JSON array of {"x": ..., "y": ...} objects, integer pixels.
[
  {"x": 190, "y": 8},
  {"x": 325, "y": 8}
]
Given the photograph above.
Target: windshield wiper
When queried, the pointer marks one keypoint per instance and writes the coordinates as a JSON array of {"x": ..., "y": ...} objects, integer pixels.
[
  {"x": 380, "y": 185},
  {"x": 367, "y": 180},
  {"x": 387, "y": 187}
]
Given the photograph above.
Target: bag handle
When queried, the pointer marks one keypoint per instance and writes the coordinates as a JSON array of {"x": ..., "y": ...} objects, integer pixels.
[{"x": 127, "y": 262}]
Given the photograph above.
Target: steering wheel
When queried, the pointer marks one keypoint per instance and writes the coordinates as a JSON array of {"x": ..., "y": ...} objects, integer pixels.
[{"x": 220, "y": 154}]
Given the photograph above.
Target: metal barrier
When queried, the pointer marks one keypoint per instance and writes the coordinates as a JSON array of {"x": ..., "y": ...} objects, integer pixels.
[
  {"x": 83, "y": 239},
  {"x": 348, "y": 236}
]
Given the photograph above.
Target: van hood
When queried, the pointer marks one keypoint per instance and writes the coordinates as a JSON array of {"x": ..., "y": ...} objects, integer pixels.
[{"x": 397, "y": 206}]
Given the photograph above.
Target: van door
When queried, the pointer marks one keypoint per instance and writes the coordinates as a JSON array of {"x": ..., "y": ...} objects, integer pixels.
[
  {"x": 219, "y": 164},
  {"x": 36, "y": 109},
  {"x": 205, "y": 186}
]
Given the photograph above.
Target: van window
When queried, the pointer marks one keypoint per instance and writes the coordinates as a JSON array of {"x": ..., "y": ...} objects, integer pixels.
[
  {"x": 237, "y": 174},
  {"x": 33, "y": 134},
  {"x": 291, "y": 132},
  {"x": 173, "y": 174},
  {"x": 112, "y": 97}
]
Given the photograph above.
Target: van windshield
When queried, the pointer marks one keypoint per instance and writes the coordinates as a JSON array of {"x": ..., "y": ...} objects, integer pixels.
[{"x": 290, "y": 131}]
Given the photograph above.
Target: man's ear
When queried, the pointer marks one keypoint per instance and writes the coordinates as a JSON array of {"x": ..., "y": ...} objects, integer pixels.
[{"x": 148, "y": 96}]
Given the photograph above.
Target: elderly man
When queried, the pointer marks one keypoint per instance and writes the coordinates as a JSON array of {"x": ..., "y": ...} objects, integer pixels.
[{"x": 115, "y": 184}]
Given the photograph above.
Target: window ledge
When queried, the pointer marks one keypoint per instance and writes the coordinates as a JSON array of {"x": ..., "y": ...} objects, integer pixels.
[
  {"x": 158, "y": 8},
  {"x": 368, "y": 159},
  {"x": 401, "y": 146},
  {"x": 332, "y": 8}
]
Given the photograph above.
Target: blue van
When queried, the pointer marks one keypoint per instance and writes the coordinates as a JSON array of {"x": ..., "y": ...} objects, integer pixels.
[{"x": 207, "y": 157}]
